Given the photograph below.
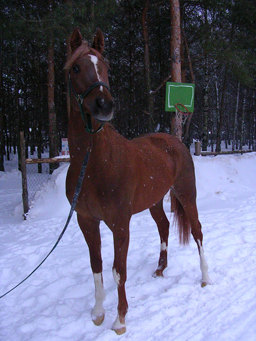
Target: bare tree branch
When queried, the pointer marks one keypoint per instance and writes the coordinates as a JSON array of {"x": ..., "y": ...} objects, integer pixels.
[{"x": 153, "y": 92}]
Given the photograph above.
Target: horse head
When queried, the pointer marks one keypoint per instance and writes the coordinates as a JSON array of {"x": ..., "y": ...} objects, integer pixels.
[{"x": 88, "y": 76}]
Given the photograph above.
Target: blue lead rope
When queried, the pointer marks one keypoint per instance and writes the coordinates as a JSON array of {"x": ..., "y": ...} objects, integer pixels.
[
  {"x": 88, "y": 127},
  {"x": 73, "y": 205}
]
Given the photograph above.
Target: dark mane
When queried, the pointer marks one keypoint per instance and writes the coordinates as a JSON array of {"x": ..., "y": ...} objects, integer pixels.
[{"x": 83, "y": 49}]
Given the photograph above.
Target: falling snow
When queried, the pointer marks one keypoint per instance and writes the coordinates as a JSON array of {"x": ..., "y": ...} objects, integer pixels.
[{"x": 55, "y": 304}]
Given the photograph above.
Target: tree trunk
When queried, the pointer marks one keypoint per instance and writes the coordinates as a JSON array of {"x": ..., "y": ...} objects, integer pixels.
[
  {"x": 160, "y": 53},
  {"x": 214, "y": 127},
  {"x": 254, "y": 133},
  {"x": 18, "y": 125},
  {"x": 23, "y": 175},
  {"x": 234, "y": 137},
  {"x": 8, "y": 146},
  {"x": 176, "y": 124},
  {"x": 67, "y": 79},
  {"x": 69, "y": 14},
  {"x": 186, "y": 139},
  {"x": 206, "y": 105},
  {"x": 2, "y": 146},
  {"x": 131, "y": 126},
  {"x": 53, "y": 145},
  {"x": 182, "y": 60},
  {"x": 39, "y": 145},
  {"x": 175, "y": 59},
  {"x": 1, "y": 142},
  {"x": 221, "y": 113},
  {"x": 242, "y": 135},
  {"x": 253, "y": 121},
  {"x": 206, "y": 90},
  {"x": 150, "y": 103}
]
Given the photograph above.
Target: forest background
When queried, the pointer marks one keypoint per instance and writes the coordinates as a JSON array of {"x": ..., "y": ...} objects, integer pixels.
[{"x": 218, "y": 54}]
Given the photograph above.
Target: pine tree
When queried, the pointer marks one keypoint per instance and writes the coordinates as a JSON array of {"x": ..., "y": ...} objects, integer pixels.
[{"x": 175, "y": 49}]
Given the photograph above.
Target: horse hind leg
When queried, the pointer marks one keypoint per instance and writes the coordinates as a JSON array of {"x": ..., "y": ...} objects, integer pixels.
[
  {"x": 162, "y": 222},
  {"x": 91, "y": 232},
  {"x": 198, "y": 237},
  {"x": 187, "y": 219}
]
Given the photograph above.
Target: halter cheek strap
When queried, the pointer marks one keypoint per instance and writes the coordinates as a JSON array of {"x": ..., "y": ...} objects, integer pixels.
[{"x": 80, "y": 98}]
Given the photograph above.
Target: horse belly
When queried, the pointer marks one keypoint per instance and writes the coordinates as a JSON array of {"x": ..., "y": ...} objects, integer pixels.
[{"x": 152, "y": 187}]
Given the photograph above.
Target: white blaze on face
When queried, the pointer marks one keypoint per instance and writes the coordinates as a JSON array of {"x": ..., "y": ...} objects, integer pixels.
[{"x": 95, "y": 60}]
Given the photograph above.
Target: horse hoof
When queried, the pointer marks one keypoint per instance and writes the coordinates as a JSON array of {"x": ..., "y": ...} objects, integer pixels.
[
  {"x": 119, "y": 326},
  {"x": 120, "y": 331},
  {"x": 203, "y": 284},
  {"x": 97, "y": 320}
]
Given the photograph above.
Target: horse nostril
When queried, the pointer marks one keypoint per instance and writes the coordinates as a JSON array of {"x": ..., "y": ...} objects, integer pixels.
[
  {"x": 103, "y": 106},
  {"x": 100, "y": 102}
]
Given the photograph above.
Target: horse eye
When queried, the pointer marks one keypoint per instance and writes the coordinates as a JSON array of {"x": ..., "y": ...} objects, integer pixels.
[{"x": 76, "y": 68}]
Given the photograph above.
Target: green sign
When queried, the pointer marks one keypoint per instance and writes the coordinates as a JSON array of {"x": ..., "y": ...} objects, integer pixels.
[{"x": 179, "y": 93}]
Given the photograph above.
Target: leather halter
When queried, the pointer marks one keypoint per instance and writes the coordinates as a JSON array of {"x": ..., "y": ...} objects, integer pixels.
[{"x": 80, "y": 98}]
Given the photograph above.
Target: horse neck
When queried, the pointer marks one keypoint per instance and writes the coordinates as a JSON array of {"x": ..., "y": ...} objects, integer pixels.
[{"x": 80, "y": 140}]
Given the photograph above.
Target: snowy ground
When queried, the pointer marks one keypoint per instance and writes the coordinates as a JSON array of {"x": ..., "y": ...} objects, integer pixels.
[{"x": 55, "y": 303}]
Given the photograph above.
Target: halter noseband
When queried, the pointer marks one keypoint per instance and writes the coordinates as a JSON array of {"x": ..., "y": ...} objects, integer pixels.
[{"x": 80, "y": 98}]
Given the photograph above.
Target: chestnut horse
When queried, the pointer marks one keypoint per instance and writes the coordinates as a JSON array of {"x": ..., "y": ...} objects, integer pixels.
[{"x": 123, "y": 176}]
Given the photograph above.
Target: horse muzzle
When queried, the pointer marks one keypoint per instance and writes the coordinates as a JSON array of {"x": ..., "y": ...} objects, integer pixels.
[{"x": 102, "y": 109}]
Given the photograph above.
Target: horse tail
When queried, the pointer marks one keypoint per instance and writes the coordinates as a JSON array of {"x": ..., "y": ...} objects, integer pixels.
[{"x": 181, "y": 221}]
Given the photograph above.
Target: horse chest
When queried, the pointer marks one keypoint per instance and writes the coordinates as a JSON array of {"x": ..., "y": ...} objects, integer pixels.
[{"x": 102, "y": 190}]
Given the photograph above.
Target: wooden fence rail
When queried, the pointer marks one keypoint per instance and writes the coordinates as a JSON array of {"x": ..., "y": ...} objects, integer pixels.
[
  {"x": 47, "y": 160},
  {"x": 199, "y": 152},
  {"x": 226, "y": 152}
]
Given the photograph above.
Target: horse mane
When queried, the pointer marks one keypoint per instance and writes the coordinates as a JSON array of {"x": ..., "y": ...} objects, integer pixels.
[{"x": 83, "y": 49}]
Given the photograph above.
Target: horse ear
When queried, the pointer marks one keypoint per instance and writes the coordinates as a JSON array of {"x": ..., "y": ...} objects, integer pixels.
[
  {"x": 98, "y": 41},
  {"x": 76, "y": 39}
]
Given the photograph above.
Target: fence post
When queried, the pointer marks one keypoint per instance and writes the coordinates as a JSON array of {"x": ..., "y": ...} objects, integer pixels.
[
  {"x": 23, "y": 175},
  {"x": 197, "y": 148}
]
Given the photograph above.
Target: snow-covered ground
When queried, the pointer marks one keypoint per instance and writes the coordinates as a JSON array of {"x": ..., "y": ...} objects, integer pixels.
[{"x": 55, "y": 303}]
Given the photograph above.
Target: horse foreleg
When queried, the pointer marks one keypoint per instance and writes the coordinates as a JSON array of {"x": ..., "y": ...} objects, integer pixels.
[
  {"x": 121, "y": 243},
  {"x": 162, "y": 222},
  {"x": 91, "y": 232}
]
